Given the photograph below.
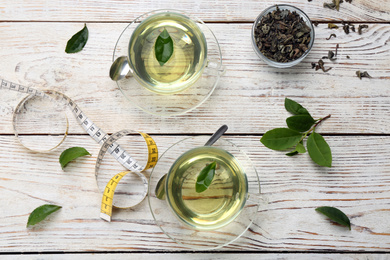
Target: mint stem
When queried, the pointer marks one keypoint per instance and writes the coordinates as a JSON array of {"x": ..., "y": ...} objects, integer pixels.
[{"x": 314, "y": 127}]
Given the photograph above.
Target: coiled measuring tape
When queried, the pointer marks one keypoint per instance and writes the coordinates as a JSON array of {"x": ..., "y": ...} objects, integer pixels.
[{"x": 108, "y": 143}]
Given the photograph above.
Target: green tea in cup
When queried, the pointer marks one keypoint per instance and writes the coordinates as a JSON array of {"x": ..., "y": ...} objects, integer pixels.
[
  {"x": 188, "y": 59},
  {"x": 220, "y": 203}
]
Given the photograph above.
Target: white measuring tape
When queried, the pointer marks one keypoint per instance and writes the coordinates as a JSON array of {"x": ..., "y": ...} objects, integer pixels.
[{"x": 107, "y": 142}]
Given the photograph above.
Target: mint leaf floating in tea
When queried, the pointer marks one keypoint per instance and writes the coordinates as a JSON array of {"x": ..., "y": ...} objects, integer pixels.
[
  {"x": 163, "y": 47},
  {"x": 299, "y": 127},
  {"x": 71, "y": 154},
  {"x": 205, "y": 177},
  {"x": 78, "y": 41},
  {"x": 41, "y": 213},
  {"x": 336, "y": 215}
]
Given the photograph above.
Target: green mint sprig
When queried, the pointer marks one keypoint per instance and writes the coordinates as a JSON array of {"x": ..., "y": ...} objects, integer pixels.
[{"x": 300, "y": 126}]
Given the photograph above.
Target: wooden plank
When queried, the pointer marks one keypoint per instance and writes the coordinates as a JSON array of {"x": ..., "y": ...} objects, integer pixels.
[
  {"x": 195, "y": 256},
  {"x": 249, "y": 97},
  {"x": 227, "y": 10},
  {"x": 357, "y": 184}
]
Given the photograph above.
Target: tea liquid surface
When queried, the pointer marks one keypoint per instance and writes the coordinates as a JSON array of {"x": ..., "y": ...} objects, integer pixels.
[
  {"x": 186, "y": 63},
  {"x": 221, "y": 202}
]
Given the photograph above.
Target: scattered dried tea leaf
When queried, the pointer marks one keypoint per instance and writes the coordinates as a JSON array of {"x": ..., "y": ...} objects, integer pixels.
[
  {"x": 332, "y": 26},
  {"x": 361, "y": 27},
  {"x": 320, "y": 65},
  {"x": 348, "y": 57},
  {"x": 332, "y": 35},
  {"x": 363, "y": 74},
  {"x": 335, "y": 5}
]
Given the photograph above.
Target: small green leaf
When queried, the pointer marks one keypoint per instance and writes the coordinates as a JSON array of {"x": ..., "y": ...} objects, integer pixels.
[
  {"x": 319, "y": 150},
  {"x": 78, "y": 41},
  {"x": 294, "y": 107},
  {"x": 41, "y": 213},
  {"x": 163, "y": 47},
  {"x": 205, "y": 177},
  {"x": 300, "y": 148},
  {"x": 295, "y": 152},
  {"x": 336, "y": 215},
  {"x": 281, "y": 138},
  {"x": 71, "y": 154},
  {"x": 160, "y": 188},
  {"x": 300, "y": 123}
]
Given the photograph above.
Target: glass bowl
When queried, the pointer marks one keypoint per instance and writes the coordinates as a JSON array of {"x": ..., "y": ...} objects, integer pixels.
[
  {"x": 161, "y": 104},
  {"x": 201, "y": 237},
  {"x": 274, "y": 63}
]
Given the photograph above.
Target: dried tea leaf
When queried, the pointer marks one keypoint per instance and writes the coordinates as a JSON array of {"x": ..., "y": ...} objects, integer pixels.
[
  {"x": 361, "y": 27},
  {"x": 332, "y": 35},
  {"x": 332, "y": 26},
  {"x": 363, "y": 74}
]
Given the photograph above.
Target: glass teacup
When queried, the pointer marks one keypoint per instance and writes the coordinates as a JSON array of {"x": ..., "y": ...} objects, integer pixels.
[
  {"x": 188, "y": 77},
  {"x": 216, "y": 216},
  {"x": 188, "y": 58}
]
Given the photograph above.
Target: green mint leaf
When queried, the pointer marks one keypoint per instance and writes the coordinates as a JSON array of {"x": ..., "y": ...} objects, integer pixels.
[
  {"x": 78, "y": 41},
  {"x": 281, "y": 138},
  {"x": 295, "y": 152},
  {"x": 160, "y": 188},
  {"x": 71, "y": 154},
  {"x": 294, "y": 107},
  {"x": 205, "y": 177},
  {"x": 336, "y": 215},
  {"x": 319, "y": 150},
  {"x": 300, "y": 148},
  {"x": 41, "y": 213},
  {"x": 300, "y": 123},
  {"x": 163, "y": 47}
]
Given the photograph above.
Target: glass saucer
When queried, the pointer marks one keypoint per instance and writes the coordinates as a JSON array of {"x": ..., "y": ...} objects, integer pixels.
[
  {"x": 189, "y": 236},
  {"x": 171, "y": 104}
]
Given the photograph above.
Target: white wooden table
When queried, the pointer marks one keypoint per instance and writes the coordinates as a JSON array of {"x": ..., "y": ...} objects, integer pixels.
[{"x": 249, "y": 99}]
